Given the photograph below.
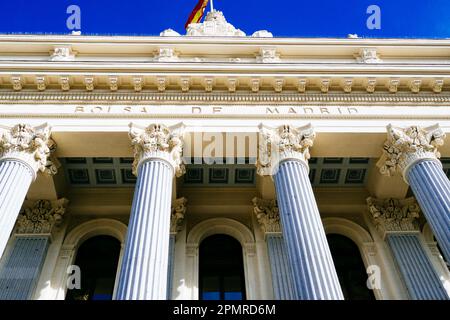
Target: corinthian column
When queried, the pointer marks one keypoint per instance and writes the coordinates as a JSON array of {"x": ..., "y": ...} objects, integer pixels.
[
  {"x": 284, "y": 154},
  {"x": 268, "y": 217},
  {"x": 157, "y": 158},
  {"x": 413, "y": 153},
  {"x": 24, "y": 150},
  {"x": 176, "y": 220},
  {"x": 396, "y": 220},
  {"x": 21, "y": 267}
]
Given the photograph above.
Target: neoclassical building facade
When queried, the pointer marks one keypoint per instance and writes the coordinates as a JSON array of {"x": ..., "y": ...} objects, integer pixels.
[{"x": 217, "y": 165}]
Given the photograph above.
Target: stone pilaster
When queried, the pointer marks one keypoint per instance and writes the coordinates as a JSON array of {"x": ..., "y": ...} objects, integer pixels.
[
  {"x": 144, "y": 269},
  {"x": 413, "y": 153},
  {"x": 266, "y": 212},
  {"x": 21, "y": 267},
  {"x": 397, "y": 221},
  {"x": 24, "y": 151},
  {"x": 284, "y": 153},
  {"x": 176, "y": 220}
]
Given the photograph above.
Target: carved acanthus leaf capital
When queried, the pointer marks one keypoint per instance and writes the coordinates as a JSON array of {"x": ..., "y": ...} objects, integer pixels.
[
  {"x": 177, "y": 214},
  {"x": 267, "y": 214},
  {"x": 283, "y": 143},
  {"x": 394, "y": 215},
  {"x": 404, "y": 147},
  {"x": 158, "y": 141},
  {"x": 39, "y": 217},
  {"x": 31, "y": 145}
]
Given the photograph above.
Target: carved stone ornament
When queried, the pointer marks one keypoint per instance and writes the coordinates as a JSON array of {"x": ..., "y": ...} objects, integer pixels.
[
  {"x": 368, "y": 55},
  {"x": 62, "y": 53},
  {"x": 177, "y": 214},
  {"x": 394, "y": 215},
  {"x": 404, "y": 147},
  {"x": 16, "y": 82},
  {"x": 268, "y": 55},
  {"x": 267, "y": 214},
  {"x": 166, "y": 54},
  {"x": 39, "y": 217},
  {"x": 215, "y": 25},
  {"x": 31, "y": 145},
  {"x": 283, "y": 143},
  {"x": 158, "y": 141}
]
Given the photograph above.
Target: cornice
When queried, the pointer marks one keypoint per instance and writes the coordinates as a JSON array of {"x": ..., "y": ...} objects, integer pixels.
[{"x": 57, "y": 39}]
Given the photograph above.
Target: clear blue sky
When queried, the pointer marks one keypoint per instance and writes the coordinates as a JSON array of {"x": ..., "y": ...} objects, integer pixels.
[{"x": 291, "y": 18}]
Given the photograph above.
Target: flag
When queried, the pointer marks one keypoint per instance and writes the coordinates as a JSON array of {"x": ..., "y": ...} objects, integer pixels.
[{"x": 197, "y": 13}]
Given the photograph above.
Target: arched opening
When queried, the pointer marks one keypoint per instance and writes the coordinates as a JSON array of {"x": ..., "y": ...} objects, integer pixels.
[
  {"x": 97, "y": 259},
  {"x": 350, "y": 268},
  {"x": 221, "y": 269}
]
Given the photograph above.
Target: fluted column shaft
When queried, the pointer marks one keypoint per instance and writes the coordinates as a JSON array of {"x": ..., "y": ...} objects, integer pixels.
[
  {"x": 418, "y": 273},
  {"x": 314, "y": 274},
  {"x": 171, "y": 265},
  {"x": 15, "y": 180},
  {"x": 431, "y": 187},
  {"x": 280, "y": 267},
  {"x": 20, "y": 269},
  {"x": 144, "y": 269}
]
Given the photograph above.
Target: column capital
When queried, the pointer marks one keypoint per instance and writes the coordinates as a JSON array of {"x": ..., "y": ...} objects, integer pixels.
[
  {"x": 158, "y": 141},
  {"x": 283, "y": 143},
  {"x": 177, "y": 214},
  {"x": 39, "y": 217},
  {"x": 394, "y": 215},
  {"x": 405, "y": 146},
  {"x": 31, "y": 145},
  {"x": 267, "y": 214}
]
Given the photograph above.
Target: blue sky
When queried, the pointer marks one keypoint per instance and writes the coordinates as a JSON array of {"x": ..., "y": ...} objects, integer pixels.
[{"x": 290, "y": 18}]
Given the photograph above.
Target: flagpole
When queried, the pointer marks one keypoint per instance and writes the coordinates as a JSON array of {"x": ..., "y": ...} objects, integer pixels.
[{"x": 212, "y": 5}]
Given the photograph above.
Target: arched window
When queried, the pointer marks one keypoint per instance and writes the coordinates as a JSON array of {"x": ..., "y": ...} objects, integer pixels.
[
  {"x": 97, "y": 259},
  {"x": 350, "y": 268},
  {"x": 221, "y": 270}
]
